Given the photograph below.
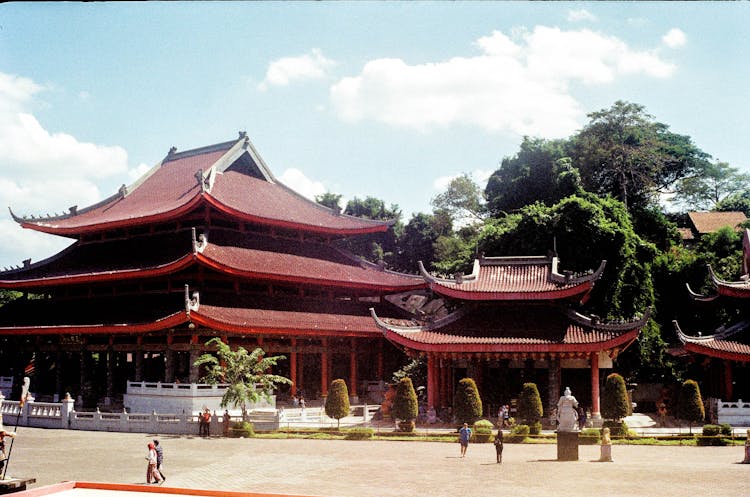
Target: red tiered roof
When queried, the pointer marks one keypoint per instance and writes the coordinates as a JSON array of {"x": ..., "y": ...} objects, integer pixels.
[
  {"x": 726, "y": 343},
  {"x": 511, "y": 329},
  {"x": 230, "y": 177},
  {"x": 514, "y": 278},
  {"x": 256, "y": 257}
]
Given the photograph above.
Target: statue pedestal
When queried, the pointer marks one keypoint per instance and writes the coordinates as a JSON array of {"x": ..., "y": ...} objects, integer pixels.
[
  {"x": 567, "y": 445},
  {"x": 606, "y": 453},
  {"x": 12, "y": 485}
]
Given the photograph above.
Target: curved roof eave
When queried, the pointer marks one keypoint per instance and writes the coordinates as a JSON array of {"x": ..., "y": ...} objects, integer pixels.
[
  {"x": 246, "y": 328},
  {"x": 280, "y": 223},
  {"x": 175, "y": 319},
  {"x": 580, "y": 289}
]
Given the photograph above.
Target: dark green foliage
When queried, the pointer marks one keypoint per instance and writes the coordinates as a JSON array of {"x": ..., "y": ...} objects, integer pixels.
[
  {"x": 417, "y": 241},
  {"x": 590, "y": 436},
  {"x": 712, "y": 436},
  {"x": 467, "y": 405},
  {"x": 690, "y": 404},
  {"x": 330, "y": 200},
  {"x": 518, "y": 434},
  {"x": 615, "y": 403},
  {"x": 241, "y": 429},
  {"x": 416, "y": 369},
  {"x": 726, "y": 429},
  {"x": 337, "y": 402},
  {"x": 405, "y": 406},
  {"x": 359, "y": 433},
  {"x": 618, "y": 429},
  {"x": 530, "y": 409},
  {"x": 739, "y": 202},
  {"x": 482, "y": 431}
]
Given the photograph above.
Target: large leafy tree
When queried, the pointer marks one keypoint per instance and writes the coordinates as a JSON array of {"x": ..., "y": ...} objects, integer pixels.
[
  {"x": 417, "y": 240},
  {"x": 330, "y": 200},
  {"x": 376, "y": 247},
  {"x": 709, "y": 184},
  {"x": 463, "y": 199},
  {"x": 529, "y": 176},
  {"x": 245, "y": 372},
  {"x": 467, "y": 405},
  {"x": 624, "y": 152}
]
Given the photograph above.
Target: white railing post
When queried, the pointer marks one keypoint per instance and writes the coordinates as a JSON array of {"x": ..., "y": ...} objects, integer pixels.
[{"x": 65, "y": 410}]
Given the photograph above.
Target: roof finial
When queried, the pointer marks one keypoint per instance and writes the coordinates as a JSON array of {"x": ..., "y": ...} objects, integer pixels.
[
  {"x": 172, "y": 150},
  {"x": 243, "y": 134}
]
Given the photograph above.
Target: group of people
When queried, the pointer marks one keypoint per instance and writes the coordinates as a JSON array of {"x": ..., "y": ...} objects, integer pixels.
[
  {"x": 503, "y": 416},
  {"x": 204, "y": 422},
  {"x": 155, "y": 458},
  {"x": 464, "y": 435}
]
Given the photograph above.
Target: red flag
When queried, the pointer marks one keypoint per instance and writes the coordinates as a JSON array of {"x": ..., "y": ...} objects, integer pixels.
[{"x": 29, "y": 369}]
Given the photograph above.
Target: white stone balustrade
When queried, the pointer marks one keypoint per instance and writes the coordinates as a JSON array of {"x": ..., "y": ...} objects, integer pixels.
[{"x": 734, "y": 413}]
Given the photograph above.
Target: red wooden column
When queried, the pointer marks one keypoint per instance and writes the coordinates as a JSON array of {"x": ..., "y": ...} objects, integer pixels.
[
  {"x": 381, "y": 370},
  {"x": 728, "y": 389},
  {"x": 595, "y": 412},
  {"x": 430, "y": 380},
  {"x": 293, "y": 368},
  {"x": 353, "y": 368},
  {"x": 444, "y": 383},
  {"x": 324, "y": 367}
]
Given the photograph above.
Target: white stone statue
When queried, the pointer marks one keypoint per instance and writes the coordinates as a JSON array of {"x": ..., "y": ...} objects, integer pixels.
[{"x": 567, "y": 416}]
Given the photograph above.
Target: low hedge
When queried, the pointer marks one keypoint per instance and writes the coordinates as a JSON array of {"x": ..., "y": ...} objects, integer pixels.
[
  {"x": 617, "y": 429},
  {"x": 713, "y": 435},
  {"x": 590, "y": 436},
  {"x": 518, "y": 434},
  {"x": 482, "y": 431},
  {"x": 359, "y": 434},
  {"x": 242, "y": 429}
]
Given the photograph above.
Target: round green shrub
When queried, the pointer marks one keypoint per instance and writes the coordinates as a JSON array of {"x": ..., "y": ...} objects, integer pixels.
[
  {"x": 467, "y": 405},
  {"x": 518, "y": 434},
  {"x": 712, "y": 436},
  {"x": 242, "y": 429},
  {"x": 615, "y": 403},
  {"x": 726, "y": 429},
  {"x": 405, "y": 406},
  {"x": 482, "y": 431},
  {"x": 530, "y": 409},
  {"x": 359, "y": 433},
  {"x": 337, "y": 403},
  {"x": 590, "y": 436},
  {"x": 617, "y": 429}
]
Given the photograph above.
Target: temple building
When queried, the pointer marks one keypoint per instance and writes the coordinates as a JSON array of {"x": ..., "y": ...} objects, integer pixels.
[
  {"x": 721, "y": 357},
  {"x": 207, "y": 243},
  {"x": 513, "y": 320}
]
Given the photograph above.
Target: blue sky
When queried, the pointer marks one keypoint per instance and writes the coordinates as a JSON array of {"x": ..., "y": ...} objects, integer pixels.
[{"x": 387, "y": 99}]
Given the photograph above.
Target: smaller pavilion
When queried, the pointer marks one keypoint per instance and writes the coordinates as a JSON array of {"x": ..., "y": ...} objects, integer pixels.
[{"x": 511, "y": 318}]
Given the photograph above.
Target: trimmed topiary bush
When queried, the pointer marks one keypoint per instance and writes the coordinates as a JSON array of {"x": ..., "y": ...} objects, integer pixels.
[
  {"x": 530, "y": 409},
  {"x": 518, "y": 434},
  {"x": 590, "y": 436},
  {"x": 712, "y": 435},
  {"x": 467, "y": 406},
  {"x": 618, "y": 429},
  {"x": 482, "y": 431},
  {"x": 690, "y": 404},
  {"x": 337, "y": 403},
  {"x": 242, "y": 429},
  {"x": 359, "y": 433},
  {"x": 726, "y": 429},
  {"x": 615, "y": 404},
  {"x": 405, "y": 407}
]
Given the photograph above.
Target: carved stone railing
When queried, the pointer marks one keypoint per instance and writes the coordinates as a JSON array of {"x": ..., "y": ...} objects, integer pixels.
[{"x": 734, "y": 413}]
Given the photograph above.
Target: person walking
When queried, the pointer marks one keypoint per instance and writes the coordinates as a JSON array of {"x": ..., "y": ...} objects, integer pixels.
[
  {"x": 159, "y": 458},
  {"x": 464, "y": 434},
  {"x": 499, "y": 445},
  {"x": 151, "y": 472}
]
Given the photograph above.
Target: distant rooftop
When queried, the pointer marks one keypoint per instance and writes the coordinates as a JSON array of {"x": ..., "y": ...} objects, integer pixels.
[{"x": 709, "y": 222}]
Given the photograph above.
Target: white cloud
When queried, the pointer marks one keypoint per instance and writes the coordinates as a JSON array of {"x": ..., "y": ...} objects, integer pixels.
[
  {"x": 480, "y": 177},
  {"x": 138, "y": 171},
  {"x": 675, "y": 38},
  {"x": 44, "y": 172},
  {"x": 580, "y": 15},
  {"x": 518, "y": 84},
  {"x": 286, "y": 70},
  {"x": 297, "y": 181}
]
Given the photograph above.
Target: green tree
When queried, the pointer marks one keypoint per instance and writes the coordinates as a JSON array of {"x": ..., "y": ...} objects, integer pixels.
[
  {"x": 738, "y": 202},
  {"x": 615, "y": 398},
  {"x": 337, "y": 403},
  {"x": 417, "y": 243},
  {"x": 467, "y": 405},
  {"x": 330, "y": 200},
  {"x": 245, "y": 372},
  {"x": 528, "y": 177},
  {"x": 623, "y": 152},
  {"x": 690, "y": 404},
  {"x": 376, "y": 247},
  {"x": 405, "y": 406},
  {"x": 709, "y": 184},
  {"x": 463, "y": 199},
  {"x": 530, "y": 409}
]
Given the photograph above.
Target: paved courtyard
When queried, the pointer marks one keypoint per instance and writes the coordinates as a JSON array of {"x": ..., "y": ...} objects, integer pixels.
[{"x": 379, "y": 468}]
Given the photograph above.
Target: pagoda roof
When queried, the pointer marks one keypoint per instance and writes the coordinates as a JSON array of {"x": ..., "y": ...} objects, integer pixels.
[
  {"x": 732, "y": 343},
  {"x": 249, "y": 257},
  {"x": 514, "y": 278},
  {"x": 509, "y": 329},
  {"x": 230, "y": 177},
  {"x": 151, "y": 313}
]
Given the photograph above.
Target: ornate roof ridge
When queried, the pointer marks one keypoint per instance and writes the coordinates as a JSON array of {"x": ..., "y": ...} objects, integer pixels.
[
  {"x": 29, "y": 265},
  {"x": 720, "y": 333},
  {"x": 438, "y": 323},
  {"x": 367, "y": 264},
  {"x": 174, "y": 155},
  {"x": 594, "y": 321},
  {"x": 699, "y": 297},
  {"x": 744, "y": 280}
]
